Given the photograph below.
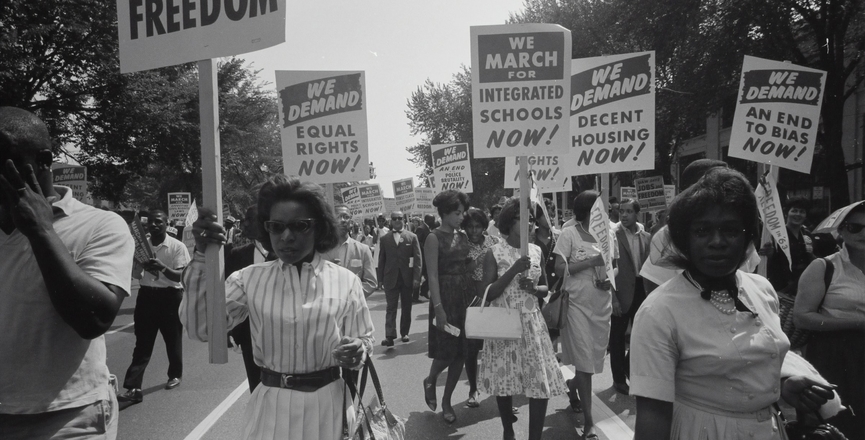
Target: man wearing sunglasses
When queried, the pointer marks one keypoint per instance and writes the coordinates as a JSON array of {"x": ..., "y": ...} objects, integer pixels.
[
  {"x": 399, "y": 268},
  {"x": 352, "y": 254}
]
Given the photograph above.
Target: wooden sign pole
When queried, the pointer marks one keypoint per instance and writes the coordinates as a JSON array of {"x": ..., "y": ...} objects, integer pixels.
[
  {"x": 211, "y": 176},
  {"x": 524, "y": 206}
]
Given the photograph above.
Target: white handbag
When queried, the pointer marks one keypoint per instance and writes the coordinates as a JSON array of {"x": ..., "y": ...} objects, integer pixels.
[{"x": 502, "y": 323}]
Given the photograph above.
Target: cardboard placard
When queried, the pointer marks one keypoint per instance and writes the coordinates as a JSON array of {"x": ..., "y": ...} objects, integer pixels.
[
  {"x": 520, "y": 89},
  {"x": 451, "y": 167},
  {"x": 423, "y": 201},
  {"x": 548, "y": 172},
  {"x": 323, "y": 125},
  {"x": 364, "y": 201},
  {"x": 178, "y": 205},
  {"x": 777, "y": 114},
  {"x": 627, "y": 192},
  {"x": 403, "y": 191},
  {"x": 159, "y": 33},
  {"x": 74, "y": 177},
  {"x": 612, "y": 113},
  {"x": 650, "y": 193}
]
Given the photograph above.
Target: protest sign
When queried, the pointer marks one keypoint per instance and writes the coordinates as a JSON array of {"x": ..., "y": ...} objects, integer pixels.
[
  {"x": 74, "y": 177},
  {"x": 599, "y": 227},
  {"x": 549, "y": 173},
  {"x": 403, "y": 191},
  {"x": 452, "y": 167},
  {"x": 612, "y": 113},
  {"x": 390, "y": 206},
  {"x": 423, "y": 201},
  {"x": 322, "y": 119},
  {"x": 770, "y": 212},
  {"x": 520, "y": 89},
  {"x": 178, "y": 205},
  {"x": 650, "y": 193},
  {"x": 628, "y": 192},
  {"x": 159, "y": 33},
  {"x": 669, "y": 194},
  {"x": 777, "y": 114},
  {"x": 143, "y": 251},
  {"x": 364, "y": 201}
]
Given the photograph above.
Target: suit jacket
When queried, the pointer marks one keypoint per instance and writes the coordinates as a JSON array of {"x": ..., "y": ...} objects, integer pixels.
[
  {"x": 626, "y": 277},
  {"x": 393, "y": 259}
]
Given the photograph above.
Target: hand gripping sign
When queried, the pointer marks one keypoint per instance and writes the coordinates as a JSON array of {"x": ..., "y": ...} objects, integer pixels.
[
  {"x": 322, "y": 117},
  {"x": 520, "y": 89},
  {"x": 777, "y": 114}
]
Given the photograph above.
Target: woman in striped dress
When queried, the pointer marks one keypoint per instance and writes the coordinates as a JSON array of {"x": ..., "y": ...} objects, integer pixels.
[{"x": 308, "y": 316}]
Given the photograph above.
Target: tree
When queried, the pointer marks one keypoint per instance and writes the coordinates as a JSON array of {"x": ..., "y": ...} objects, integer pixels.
[
  {"x": 441, "y": 113},
  {"x": 700, "y": 45}
]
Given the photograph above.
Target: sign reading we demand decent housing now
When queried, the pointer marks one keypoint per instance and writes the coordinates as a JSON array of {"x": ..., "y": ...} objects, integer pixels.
[
  {"x": 323, "y": 125},
  {"x": 777, "y": 114},
  {"x": 520, "y": 89},
  {"x": 194, "y": 30}
]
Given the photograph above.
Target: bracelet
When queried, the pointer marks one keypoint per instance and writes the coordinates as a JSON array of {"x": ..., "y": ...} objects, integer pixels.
[{"x": 437, "y": 305}]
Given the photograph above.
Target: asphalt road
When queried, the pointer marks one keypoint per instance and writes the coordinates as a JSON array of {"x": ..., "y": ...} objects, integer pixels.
[{"x": 211, "y": 401}]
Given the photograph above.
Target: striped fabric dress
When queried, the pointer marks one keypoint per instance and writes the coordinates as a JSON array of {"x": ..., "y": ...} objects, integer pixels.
[{"x": 297, "y": 318}]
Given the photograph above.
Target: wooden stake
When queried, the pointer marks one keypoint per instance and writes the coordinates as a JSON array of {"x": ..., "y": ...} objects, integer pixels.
[
  {"x": 211, "y": 176},
  {"x": 524, "y": 206}
]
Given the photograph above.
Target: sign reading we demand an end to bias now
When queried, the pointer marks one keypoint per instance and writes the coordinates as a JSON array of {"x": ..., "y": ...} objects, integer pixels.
[
  {"x": 777, "y": 114},
  {"x": 612, "y": 113},
  {"x": 520, "y": 89},
  {"x": 452, "y": 167},
  {"x": 194, "y": 30},
  {"x": 323, "y": 125}
]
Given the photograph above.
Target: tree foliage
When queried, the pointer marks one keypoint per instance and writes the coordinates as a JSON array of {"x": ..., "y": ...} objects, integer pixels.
[{"x": 699, "y": 48}]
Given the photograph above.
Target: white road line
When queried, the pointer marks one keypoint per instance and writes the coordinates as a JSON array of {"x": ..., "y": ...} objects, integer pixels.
[
  {"x": 217, "y": 412},
  {"x": 111, "y": 332},
  {"x": 606, "y": 420}
]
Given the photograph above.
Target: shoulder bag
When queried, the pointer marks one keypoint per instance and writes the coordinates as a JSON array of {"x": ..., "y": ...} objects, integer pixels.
[
  {"x": 502, "y": 323},
  {"x": 555, "y": 312},
  {"x": 372, "y": 422}
]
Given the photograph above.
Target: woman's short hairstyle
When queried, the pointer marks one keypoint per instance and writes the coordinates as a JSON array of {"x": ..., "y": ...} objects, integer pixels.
[
  {"x": 475, "y": 215},
  {"x": 722, "y": 187},
  {"x": 583, "y": 203},
  {"x": 797, "y": 202},
  {"x": 449, "y": 201},
  {"x": 509, "y": 215},
  {"x": 280, "y": 188}
]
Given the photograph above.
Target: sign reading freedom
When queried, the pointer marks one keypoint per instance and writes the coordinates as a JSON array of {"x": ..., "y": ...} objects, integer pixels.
[{"x": 159, "y": 33}]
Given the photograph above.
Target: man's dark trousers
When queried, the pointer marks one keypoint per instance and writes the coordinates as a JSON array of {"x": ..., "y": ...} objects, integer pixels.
[
  {"x": 619, "y": 360},
  {"x": 156, "y": 311},
  {"x": 398, "y": 294}
]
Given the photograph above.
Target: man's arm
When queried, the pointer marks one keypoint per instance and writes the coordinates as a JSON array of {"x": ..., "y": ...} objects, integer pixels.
[
  {"x": 418, "y": 262},
  {"x": 367, "y": 275}
]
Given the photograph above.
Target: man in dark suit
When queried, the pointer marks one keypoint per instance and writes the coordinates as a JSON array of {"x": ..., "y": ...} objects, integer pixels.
[
  {"x": 629, "y": 294},
  {"x": 399, "y": 270},
  {"x": 422, "y": 232},
  {"x": 237, "y": 258}
]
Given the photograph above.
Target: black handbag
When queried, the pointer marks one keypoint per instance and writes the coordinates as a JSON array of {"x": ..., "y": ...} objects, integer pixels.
[{"x": 798, "y": 430}]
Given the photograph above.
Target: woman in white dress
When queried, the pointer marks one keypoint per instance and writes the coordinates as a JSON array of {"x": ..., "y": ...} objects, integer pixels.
[
  {"x": 587, "y": 330},
  {"x": 308, "y": 317},
  {"x": 707, "y": 345}
]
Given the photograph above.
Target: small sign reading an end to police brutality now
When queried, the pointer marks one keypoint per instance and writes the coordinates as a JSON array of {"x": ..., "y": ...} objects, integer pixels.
[
  {"x": 520, "y": 89},
  {"x": 322, "y": 118},
  {"x": 777, "y": 114},
  {"x": 613, "y": 113},
  {"x": 73, "y": 177},
  {"x": 403, "y": 193},
  {"x": 159, "y": 33},
  {"x": 451, "y": 167}
]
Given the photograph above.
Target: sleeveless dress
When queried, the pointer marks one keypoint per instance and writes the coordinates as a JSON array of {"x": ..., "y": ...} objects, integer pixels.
[
  {"x": 455, "y": 290},
  {"x": 528, "y": 366}
]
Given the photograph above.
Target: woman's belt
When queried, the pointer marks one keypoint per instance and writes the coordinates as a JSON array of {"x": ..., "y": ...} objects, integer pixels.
[
  {"x": 761, "y": 415},
  {"x": 308, "y": 382}
]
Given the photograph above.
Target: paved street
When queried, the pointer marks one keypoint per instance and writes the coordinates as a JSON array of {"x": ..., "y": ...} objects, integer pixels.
[{"x": 211, "y": 400}]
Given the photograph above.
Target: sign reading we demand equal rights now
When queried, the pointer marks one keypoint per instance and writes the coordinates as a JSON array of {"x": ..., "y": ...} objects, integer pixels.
[
  {"x": 194, "y": 30},
  {"x": 777, "y": 114},
  {"x": 612, "y": 113},
  {"x": 520, "y": 89},
  {"x": 323, "y": 125}
]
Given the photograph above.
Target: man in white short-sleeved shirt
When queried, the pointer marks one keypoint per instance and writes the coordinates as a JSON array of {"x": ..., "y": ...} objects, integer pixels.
[{"x": 64, "y": 271}]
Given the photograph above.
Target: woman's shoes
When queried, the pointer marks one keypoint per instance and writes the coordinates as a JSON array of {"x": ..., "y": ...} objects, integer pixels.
[
  {"x": 429, "y": 394},
  {"x": 590, "y": 435},
  {"x": 449, "y": 415},
  {"x": 576, "y": 404},
  {"x": 473, "y": 401}
]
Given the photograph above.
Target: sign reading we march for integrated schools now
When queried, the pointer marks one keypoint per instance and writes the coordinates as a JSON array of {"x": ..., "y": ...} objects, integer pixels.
[
  {"x": 73, "y": 177},
  {"x": 520, "y": 89},
  {"x": 178, "y": 205},
  {"x": 612, "y": 113},
  {"x": 322, "y": 119},
  {"x": 364, "y": 201},
  {"x": 194, "y": 30},
  {"x": 452, "y": 167},
  {"x": 403, "y": 193},
  {"x": 777, "y": 114}
]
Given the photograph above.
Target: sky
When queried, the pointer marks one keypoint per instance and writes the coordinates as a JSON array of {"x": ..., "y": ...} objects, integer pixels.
[{"x": 399, "y": 44}]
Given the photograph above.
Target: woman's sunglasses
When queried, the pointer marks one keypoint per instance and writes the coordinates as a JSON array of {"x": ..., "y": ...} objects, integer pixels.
[
  {"x": 854, "y": 228},
  {"x": 298, "y": 226}
]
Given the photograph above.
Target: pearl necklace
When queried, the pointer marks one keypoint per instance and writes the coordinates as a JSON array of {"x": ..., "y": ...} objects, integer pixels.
[{"x": 721, "y": 299}]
